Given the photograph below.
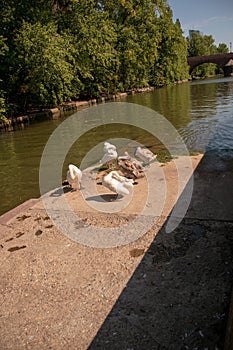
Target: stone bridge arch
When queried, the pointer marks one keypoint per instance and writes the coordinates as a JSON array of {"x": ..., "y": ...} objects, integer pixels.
[{"x": 223, "y": 60}]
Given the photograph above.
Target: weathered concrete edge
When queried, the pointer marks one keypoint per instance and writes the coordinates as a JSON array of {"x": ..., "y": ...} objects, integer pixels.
[{"x": 6, "y": 217}]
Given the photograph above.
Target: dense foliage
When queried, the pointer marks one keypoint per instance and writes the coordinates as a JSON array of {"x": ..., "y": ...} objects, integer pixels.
[
  {"x": 53, "y": 51},
  {"x": 199, "y": 45}
]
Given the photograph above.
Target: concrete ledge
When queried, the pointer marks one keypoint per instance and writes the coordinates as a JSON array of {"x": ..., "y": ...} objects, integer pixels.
[{"x": 14, "y": 212}]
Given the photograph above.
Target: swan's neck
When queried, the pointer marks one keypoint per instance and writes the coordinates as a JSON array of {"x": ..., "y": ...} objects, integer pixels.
[{"x": 72, "y": 174}]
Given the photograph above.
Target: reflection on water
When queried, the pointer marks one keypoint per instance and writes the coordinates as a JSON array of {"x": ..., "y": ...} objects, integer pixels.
[
  {"x": 211, "y": 124},
  {"x": 201, "y": 111},
  {"x": 172, "y": 102}
]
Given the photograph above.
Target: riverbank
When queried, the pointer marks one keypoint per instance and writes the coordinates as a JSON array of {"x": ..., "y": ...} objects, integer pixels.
[
  {"x": 14, "y": 123},
  {"x": 170, "y": 290}
]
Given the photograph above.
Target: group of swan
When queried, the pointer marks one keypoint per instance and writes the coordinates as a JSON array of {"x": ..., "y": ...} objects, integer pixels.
[
  {"x": 144, "y": 154},
  {"x": 113, "y": 180}
]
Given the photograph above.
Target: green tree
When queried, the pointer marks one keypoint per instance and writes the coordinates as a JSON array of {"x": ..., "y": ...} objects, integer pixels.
[
  {"x": 151, "y": 47},
  {"x": 171, "y": 64},
  {"x": 200, "y": 45},
  {"x": 3, "y": 51},
  {"x": 222, "y": 48},
  {"x": 137, "y": 39},
  {"x": 13, "y": 14},
  {"x": 137, "y": 44},
  {"x": 60, "y": 50},
  {"x": 94, "y": 39},
  {"x": 45, "y": 69}
]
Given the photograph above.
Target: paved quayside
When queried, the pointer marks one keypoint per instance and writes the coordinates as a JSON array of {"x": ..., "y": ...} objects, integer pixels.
[{"x": 162, "y": 291}]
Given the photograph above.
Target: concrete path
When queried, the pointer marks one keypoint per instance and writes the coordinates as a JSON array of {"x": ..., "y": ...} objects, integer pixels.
[
  {"x": 163, "y": 291},
  {"x": 178, "y": 297}
]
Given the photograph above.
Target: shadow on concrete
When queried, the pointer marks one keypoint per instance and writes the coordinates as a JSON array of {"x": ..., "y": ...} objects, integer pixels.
[
  {"x": 179, "y": 295},
  {"x": 108, "y": 197},
  {"x": 61, "y": 191}
]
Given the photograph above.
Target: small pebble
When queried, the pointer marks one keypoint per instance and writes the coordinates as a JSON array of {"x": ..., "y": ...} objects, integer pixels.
[{"x": 38, "y": 232}]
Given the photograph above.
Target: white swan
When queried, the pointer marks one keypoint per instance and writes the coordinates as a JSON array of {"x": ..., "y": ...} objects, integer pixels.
[
  {"x": 145, "y": 155},
  {"x": 117, "y": 183},
  {"x": 108, "y": 146},
  {"x": 74, "y": 176},
  {"x": 126, "y": 156},
  {"x": 109, "y": 157}
]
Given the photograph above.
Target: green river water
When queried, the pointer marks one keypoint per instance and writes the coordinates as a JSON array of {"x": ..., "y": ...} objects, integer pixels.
[{"x": 201, "y": 111}]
